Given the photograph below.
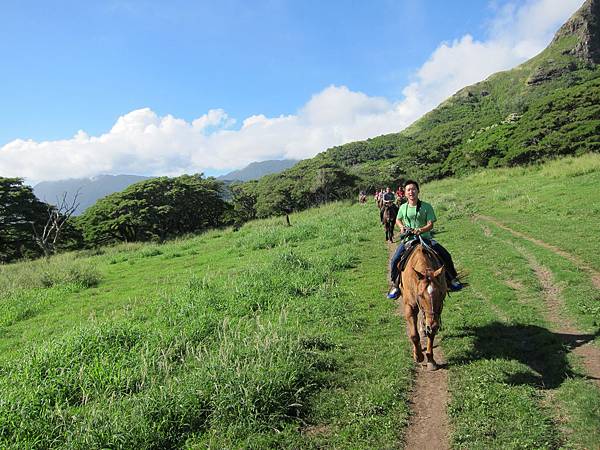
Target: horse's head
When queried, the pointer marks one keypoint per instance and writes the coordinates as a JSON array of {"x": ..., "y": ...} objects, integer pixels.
[{"x": 431, "y": 289}]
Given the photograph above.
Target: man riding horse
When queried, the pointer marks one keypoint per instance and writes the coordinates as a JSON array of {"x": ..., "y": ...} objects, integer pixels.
[
  {"x": 388, "y": 199},
  {"x": 362, "y": 197},
  {"x": 417, "y": 217}
]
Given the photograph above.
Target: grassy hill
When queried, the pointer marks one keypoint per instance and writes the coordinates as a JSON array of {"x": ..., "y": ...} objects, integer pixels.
[
  {"x": 278, "y": 336},
  {"x": 546, "y": 107}
]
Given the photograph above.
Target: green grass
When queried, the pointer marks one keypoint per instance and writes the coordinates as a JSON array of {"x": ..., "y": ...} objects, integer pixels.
[
  {"x": 556, "y": 202},
  {"x": 281, "y": 337},
  {"x": 252, "y": 339}
]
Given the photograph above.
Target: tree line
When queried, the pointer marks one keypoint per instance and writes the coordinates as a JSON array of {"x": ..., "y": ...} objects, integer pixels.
[
  {"x": 151, "y": 210},
  {"x": 160, "y": 208}
]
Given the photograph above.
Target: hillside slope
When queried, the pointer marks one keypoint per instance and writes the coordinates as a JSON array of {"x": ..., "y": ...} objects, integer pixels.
[
  {"x": 256, "y": 170},
  {"x": 546, "y": 107}
]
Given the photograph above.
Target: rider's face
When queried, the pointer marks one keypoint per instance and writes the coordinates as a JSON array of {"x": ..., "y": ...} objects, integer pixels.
[{"x": 411, "y": 192}]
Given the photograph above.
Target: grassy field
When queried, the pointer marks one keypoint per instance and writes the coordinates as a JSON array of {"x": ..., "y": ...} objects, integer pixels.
[
  {"x": 281, "y": 337},
  {"x": 272, "y": 336}
]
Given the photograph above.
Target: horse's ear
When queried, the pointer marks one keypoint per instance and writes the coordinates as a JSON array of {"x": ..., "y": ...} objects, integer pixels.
[
  {"x": 438, "y": 272},
  {"x": 420, "y": 276}
]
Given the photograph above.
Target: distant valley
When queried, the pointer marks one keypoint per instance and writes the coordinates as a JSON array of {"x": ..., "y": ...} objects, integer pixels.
[
  {"x": 90, "y": 189},
  {"x": 94, "y": 188}
]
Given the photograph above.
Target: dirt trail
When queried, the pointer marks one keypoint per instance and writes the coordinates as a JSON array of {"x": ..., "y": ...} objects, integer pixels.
[
  {"x": 428, "y": 427},
  {"x": 573, "y": 339},
  {"x": 594, "y": 274}
]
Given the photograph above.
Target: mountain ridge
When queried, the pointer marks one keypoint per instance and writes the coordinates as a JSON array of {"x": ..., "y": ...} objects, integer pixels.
[
  {"x": 258, "y": 169},
  {"x": 89, "y": 189},
  {"x": 585, "y": 25},
  {"x": 94, "y": 188}
]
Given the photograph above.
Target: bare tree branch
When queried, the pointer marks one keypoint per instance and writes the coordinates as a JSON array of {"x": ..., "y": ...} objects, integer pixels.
[{"x": 57, "y": 217}]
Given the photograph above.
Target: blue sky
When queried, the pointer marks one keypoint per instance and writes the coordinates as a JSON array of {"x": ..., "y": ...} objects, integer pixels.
[{"x": 154, "y": 87}]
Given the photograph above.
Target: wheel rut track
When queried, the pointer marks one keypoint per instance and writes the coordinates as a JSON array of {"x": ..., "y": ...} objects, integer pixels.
[
  {"x": 572, "y": 338},
  {"x": 594, "y": 274},
  {"x": 428, "y": 426}
]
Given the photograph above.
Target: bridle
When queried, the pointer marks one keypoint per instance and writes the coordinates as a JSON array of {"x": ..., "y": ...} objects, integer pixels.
[{"x": 429, "y": 279}]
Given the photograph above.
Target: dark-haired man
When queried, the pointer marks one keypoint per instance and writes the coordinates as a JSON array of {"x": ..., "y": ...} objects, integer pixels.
[
  {"x": 388, "y": 197},
  {"x": 419, "y": 216}
]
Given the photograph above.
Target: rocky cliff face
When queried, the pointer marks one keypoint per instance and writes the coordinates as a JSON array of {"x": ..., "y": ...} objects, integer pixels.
[{"x": 585, "y": 25}]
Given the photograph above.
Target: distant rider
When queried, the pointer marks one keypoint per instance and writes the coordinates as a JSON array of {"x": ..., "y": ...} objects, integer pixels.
[
  {"x": 400, "y": 192},
  {"x": 388, "y": 197},
  {"x": 400, "y": 195},
  {"x": 419, "y": 217}
]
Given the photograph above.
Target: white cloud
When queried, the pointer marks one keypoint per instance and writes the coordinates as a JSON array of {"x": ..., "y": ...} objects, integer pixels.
[{"x": 142, "y": 142}]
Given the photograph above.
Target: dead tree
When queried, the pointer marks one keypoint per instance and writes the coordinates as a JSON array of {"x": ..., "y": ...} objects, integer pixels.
[{"x": 57, "y": 218}]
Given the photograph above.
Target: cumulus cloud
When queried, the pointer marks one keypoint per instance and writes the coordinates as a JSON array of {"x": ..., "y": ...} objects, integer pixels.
[{"x": 141, "y": 142}]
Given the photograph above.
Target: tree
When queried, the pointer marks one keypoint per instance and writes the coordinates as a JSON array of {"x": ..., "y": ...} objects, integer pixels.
[
  {"x": 19, "y": 211},
  {"x": 47, "y": 238},
  {"x": 155, "y": 209},
  {"x": 277, "y": 200},
  {"x": 244, "y": 203},
  {"x": 331, "y": 182}
]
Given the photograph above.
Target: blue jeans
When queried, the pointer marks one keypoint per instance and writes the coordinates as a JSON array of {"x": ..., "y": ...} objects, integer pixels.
[{"x": 396, "y": 260}]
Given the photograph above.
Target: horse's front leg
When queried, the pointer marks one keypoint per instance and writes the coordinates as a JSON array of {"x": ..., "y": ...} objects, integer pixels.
[
  {"x": 431, "y": 364},
  {"x": 410, "y": 314}
]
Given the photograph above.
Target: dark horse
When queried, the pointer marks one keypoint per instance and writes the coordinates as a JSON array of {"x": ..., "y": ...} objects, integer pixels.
[
  {"x": 423, "y": 291},
  {"x": 388, "y": 218}
]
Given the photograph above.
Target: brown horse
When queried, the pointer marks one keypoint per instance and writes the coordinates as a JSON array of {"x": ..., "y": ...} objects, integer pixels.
[
  {"x": 388, "y": 218},
  {"x": 423, "y": 291}
]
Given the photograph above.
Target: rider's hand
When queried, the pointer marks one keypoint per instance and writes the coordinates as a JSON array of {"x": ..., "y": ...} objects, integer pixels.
[{"x": 417, "y": 231}]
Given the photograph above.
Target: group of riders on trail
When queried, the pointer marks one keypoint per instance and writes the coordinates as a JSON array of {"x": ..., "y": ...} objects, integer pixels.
[{"x": 415, "y": 219}]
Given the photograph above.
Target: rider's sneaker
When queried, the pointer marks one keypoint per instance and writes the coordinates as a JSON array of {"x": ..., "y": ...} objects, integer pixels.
[
  {"x": 455, "y": 285},
  {"x": 394, "y": 293}
]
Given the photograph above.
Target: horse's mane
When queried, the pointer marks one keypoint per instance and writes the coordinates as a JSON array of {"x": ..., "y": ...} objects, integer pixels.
[{"x": 427, "y": 255}]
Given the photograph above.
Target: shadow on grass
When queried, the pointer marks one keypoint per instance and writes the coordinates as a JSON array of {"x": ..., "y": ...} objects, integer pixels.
[{"x": 542, "y": 350}]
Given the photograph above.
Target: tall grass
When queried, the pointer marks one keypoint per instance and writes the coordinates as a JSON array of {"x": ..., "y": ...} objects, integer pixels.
[
  {"x": 27, "y": 288},
  {"x": 118, "y": 385},
  {"x": 61, "y": 269}
]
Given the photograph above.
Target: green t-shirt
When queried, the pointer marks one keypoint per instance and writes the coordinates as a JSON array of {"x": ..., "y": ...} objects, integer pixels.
[{"x": 408, "y": 216}]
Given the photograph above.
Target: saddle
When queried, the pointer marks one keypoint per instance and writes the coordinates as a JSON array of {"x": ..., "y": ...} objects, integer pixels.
[{"x": 409, "y": 248}]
